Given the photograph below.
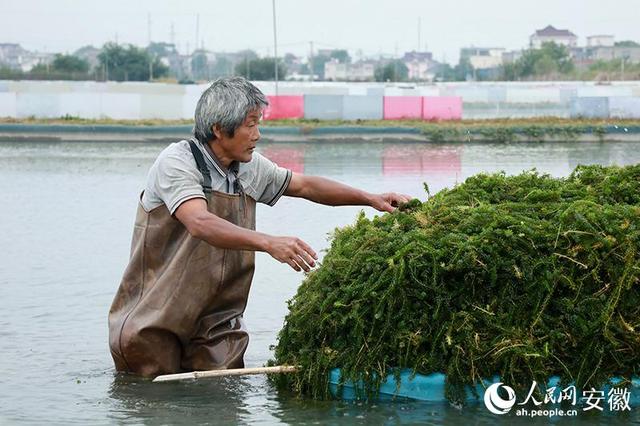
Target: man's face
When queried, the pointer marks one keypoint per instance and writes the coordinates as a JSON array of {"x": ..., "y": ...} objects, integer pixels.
[{"x": 241, "y": 146}]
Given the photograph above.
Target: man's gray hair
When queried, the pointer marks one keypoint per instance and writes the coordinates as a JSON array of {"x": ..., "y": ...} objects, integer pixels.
[{"x": 226, "y": 103}]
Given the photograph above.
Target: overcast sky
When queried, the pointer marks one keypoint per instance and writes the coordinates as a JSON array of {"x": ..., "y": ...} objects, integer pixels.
[{"x": 371, "y": 26}]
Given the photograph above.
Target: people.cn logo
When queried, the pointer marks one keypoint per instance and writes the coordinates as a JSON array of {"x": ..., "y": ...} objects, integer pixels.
[{"x": 495, "y": 403}]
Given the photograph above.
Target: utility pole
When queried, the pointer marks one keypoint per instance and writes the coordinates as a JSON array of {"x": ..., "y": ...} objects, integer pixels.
[
  {"x": 311, "y": 60},
  {"x": 395, "y": 64},
  {"x": 444, "y": 62},
  {"x": 275, "y": 44},
  {"x": 419, "y": 32},
  {"x": 622, "y": 61},
  {"x": 197, "y": 30},
  {"x": 246, "y": 62},
  {"x": 148, "y": 45},
  {"x": 172, "y": 36}
]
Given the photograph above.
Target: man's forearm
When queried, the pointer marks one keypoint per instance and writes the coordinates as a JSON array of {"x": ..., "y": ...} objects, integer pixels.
[
  {"x": 221, "y": 233},
  {"x": 332, "y": 193},
  {"x": 224, "y": 234}
]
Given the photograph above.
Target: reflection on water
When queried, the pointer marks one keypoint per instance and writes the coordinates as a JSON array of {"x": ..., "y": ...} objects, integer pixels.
[
  {"x": 66, "y": 226},
  {"x": 418, "y": 161},
  {"x": 215, "y": 401},
  {"x": 289, "y": 157}
]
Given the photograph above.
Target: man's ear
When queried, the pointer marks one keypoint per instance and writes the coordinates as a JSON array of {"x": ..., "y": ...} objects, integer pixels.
[{"x": 217, "y": 131}]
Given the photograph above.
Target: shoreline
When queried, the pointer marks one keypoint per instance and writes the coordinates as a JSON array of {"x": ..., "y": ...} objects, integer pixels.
[{"x": 464, "y": 131}]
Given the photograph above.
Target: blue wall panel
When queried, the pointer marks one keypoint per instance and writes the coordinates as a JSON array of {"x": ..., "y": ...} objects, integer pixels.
[
  {"x": 590, "y": 107},
  {"x": 362, "y": 107},
  {"x": 323, "y": 107},
  {"x": 624, "y": 106}
]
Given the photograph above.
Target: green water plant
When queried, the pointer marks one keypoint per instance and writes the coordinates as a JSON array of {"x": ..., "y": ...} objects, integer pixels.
[{"x": 524, "y": 277}]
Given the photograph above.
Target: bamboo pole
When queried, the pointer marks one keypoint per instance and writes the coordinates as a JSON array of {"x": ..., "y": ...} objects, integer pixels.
[{"x": 223, "y": 373}]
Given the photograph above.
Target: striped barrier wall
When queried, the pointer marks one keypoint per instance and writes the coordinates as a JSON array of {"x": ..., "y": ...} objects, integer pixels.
[{"x": 364, "y": 101}]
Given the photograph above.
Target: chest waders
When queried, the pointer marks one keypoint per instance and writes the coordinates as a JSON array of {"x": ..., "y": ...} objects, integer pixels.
[{"x": 180, "y": 303}]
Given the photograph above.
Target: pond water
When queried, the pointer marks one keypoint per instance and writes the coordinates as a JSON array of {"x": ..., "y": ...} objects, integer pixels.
[{"x": 65, "y": 229}]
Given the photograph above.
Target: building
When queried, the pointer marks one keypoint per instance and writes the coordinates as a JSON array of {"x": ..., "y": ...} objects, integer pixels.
[
  {"x": 610, "y": 53},
  {"x": 12, "y": 56},
  {"x": 356, "y": 71},
  {"x": 600, "y": 40},
  {"x": 552, "y": 34},
  {"x": 363, "y": 71},
  {"x": 483, "y": 58},
  {"x": 31, "y": 59},
  {"x": 335, "y": 70},
  {"x": 420, "y": 65},
  {"x": 511, "y": 56}
]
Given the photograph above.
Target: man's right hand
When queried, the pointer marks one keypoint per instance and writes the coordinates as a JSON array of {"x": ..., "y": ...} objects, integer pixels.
[{"x": 293, "y": 251}]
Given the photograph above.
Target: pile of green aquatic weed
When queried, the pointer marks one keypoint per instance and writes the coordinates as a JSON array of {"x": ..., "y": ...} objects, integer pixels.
[{"x": 525, "y": 277}]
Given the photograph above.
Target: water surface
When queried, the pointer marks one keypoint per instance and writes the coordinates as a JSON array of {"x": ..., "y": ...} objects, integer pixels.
[{"x": 65, "y": 230}]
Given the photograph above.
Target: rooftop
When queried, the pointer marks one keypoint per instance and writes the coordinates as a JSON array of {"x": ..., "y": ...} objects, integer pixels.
[{"x": 551, "y": 31}]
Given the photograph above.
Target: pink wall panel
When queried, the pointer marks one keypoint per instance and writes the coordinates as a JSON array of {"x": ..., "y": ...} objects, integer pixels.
[
  {"x": 442, "y": 108},
  {"x": 284, "y": 107},
  {"x": 399, "y": 107}
]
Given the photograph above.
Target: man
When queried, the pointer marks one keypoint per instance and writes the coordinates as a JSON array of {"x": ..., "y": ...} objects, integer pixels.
[{"x": 180, "y": 303}]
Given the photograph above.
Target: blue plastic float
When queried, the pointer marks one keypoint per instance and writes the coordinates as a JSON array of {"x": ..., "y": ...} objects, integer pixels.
[{"x": 430, "y": 388}]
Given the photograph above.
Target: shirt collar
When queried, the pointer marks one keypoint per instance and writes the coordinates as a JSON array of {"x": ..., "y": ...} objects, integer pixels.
[{"x": 233, "y": 167}]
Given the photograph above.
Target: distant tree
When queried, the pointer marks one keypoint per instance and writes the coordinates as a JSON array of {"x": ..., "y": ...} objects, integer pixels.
[
  {"x": 304, "y": 69},
  {"x": 161, "y": 49},
  {"x": 200, "y": 66},
  {"x": 341, "y": 55},
  {"x": 318, "y": 65},
  {"x": 289, "y": 58},
  {"x": 545, "y": 65},
  {"x": 626, "y": 43},
  {"x": 40, "y": 69},
  {"x": 549, "y": 60},
  {"x": 559, "y": 55},
  {"x": 69, "y": 64},
  {"x": 509, "y": 72},
  {"x": 130, "y": 63},
  {"x": 393, "y": 71},
  {"x": 261, "y": 69},
  {"x": 222, "y": 67},
  {"x": 248, "y": 54},
  {"x": 444, "y": 72},
  {"x": 463, "y": 71},
  {"x": 613, "y": 69}
]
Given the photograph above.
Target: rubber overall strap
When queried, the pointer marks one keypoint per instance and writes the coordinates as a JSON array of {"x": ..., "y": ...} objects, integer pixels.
[
  {"x": 202, "y": 166},
  {"x": 237, "y": 185}
]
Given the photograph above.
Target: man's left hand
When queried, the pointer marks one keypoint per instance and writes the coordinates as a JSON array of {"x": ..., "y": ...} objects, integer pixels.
[{"x": 388, "y": 201}]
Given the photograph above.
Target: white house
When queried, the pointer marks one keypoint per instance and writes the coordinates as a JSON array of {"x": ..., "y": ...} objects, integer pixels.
[
  {"x": 420, "y": 65},
  {"x": 482, "y": 58},
  {"x": 357, "y": 71},
  {"x": 552, "y": 34},
  {"x": 600, "y": 41}
]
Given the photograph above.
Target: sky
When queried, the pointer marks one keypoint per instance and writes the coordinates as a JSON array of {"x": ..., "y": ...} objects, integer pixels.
[{"x": 365, "y": 28}]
